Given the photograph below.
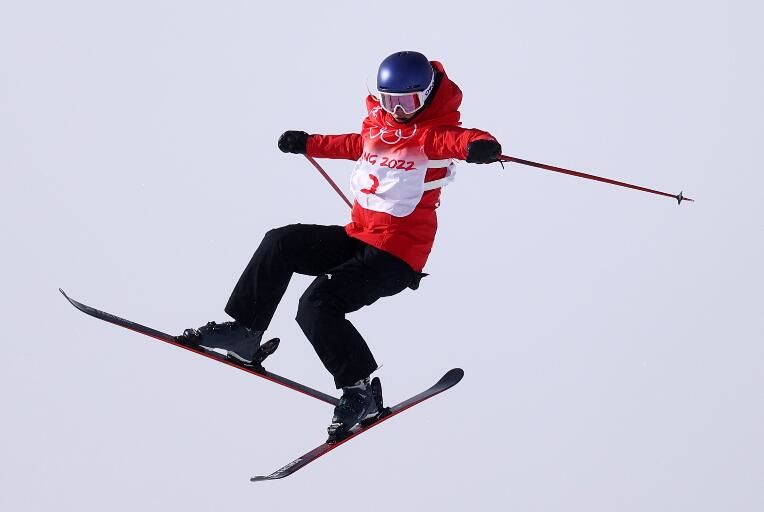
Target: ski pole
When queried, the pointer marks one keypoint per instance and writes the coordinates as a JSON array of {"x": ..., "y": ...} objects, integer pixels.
[
  {"x": 329, "y": 179},
  {"x": 679, "y": 197}
]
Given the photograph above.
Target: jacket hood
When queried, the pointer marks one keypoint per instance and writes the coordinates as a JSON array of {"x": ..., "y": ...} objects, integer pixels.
[{"x": 442, "y": 106}]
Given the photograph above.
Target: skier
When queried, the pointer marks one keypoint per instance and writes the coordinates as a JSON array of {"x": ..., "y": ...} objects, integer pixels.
[{"x": 404, "y": 156}]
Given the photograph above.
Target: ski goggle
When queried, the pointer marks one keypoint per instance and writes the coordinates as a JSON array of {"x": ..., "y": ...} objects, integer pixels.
[{"x": 409, "y": 102}]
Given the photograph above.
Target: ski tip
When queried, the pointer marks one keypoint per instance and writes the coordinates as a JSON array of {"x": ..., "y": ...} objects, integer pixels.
[
  {"x": 452, "y": 376},
  {"x": 71, "y": 301},
  {"x": 74, "y": 303},
  {"x": 263, "y": 478}
]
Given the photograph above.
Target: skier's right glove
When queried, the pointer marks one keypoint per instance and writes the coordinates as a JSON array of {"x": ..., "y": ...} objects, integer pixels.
[
  {"x": 293, "y": 142},
  {"x": 483, "y": 151}
]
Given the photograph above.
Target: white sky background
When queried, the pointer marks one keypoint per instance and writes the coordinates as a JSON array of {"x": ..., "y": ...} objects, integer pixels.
[{"x": 611, "y": 340}]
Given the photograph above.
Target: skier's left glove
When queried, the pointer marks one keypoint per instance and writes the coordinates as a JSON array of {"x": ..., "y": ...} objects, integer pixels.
[
  {"x": 293, "y": 142},
  {"x": 484, "y": 151}
]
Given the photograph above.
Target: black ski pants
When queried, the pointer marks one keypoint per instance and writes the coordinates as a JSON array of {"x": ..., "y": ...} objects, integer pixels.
[{"x": 349, "y": 274}]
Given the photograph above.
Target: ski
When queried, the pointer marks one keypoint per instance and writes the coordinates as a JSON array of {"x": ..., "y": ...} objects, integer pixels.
[
  {"x": 269, "y": 346},
  {"x": 450, "y": 379}
]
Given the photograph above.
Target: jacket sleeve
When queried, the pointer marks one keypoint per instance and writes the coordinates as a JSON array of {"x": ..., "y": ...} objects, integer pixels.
[
  {"x": 348, "y": 146},
  {"x": 451, "y": 141}
]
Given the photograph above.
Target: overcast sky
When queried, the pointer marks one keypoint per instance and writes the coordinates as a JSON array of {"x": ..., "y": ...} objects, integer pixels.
[{"x": 611, "y": 340}]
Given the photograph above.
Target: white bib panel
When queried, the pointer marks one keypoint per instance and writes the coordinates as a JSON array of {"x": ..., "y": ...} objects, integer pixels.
[{"x": 393, "y": 182}]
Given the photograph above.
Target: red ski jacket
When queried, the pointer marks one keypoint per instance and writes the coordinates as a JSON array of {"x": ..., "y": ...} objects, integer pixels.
[{"x": 400, "y": 170}]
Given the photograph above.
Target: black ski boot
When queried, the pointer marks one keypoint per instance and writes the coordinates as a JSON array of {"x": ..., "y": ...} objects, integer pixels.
[
  {"x": 241, "y": 343},
  {"x": 360, "y": 404}
]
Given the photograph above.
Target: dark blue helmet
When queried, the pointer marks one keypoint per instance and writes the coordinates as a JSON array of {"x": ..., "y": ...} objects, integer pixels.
[{"x": 404, "y": 72}]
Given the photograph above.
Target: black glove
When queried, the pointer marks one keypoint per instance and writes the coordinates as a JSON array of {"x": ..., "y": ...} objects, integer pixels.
[
  {"x": 483, "y": 151},
  {"x": 293, "y": 142}
]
